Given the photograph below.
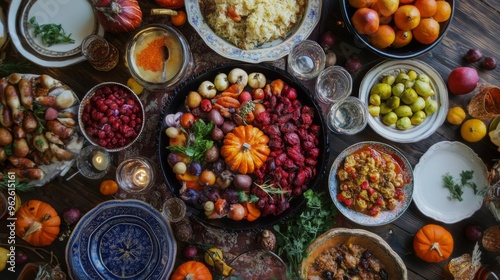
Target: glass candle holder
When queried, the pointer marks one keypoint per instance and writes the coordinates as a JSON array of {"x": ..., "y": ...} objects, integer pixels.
[
  {"x": 93, "y": 162},
  {"x": 306, "y": 60},
  {"x": 333, "y": 84},
  {"x": 174, "y": 209},
  {"x": 135, "y": 175},
  {"x": 102, "y": 55},
  {"x": 348, "y": 116}
]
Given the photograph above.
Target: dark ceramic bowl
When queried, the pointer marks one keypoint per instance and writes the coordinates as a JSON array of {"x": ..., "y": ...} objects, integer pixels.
[
  {"x": 412, "y": 50},
  {"x": 176, "y": 103}
]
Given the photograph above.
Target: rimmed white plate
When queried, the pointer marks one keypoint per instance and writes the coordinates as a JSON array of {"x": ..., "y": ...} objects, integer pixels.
[
  {"x": 76, "y": 17},
  {"x": 429, "y": 194},
  {"x": 430, "y": 124},
  {"x": 266, "y": 52}
]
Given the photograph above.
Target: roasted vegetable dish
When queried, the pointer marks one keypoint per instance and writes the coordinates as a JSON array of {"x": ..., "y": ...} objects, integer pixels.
[{"x": 370, "y": 181}]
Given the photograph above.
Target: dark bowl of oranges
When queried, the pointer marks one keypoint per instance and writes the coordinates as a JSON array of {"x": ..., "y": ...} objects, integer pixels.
[{"x": 398, "y": 29}]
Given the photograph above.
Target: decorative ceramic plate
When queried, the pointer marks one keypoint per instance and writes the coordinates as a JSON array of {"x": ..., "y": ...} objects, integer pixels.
[
  {"x": 430, "y": 124},
  {"x": 76, "y": 18},
  {"x": 266, "y": 52},
  {"x": 121, "y": 239},
  {"x": 386, "y": 216},
  {"x": 431, "y": 197}
]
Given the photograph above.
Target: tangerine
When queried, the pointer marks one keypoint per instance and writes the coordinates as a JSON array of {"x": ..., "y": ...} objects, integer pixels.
[
  {"x": 405, "y": 1},
  {"x": 383, "y": 37},
  {"x": 387, "y": 7},
  {"x": 427, "y": 31},
  {"x": 402, "y": 38},
  {"x": 360, "y": 3},
  {"x": 365, "y": 21},
  {"x": 473, "y": 130},
  {"x": 108, "y": 187},
  {"x": 443, "y": 11},
  {"x": 407, "y": 17},
  {"x": 427, "y": 8}
]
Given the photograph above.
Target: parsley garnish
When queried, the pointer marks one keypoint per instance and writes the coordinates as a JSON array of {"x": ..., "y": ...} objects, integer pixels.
[
  {"x": 198, "y": 141},
  {"x": 298, "y": 233},
  {"x": 51, "y": 33},
  {"x": 456, "y": 189}
]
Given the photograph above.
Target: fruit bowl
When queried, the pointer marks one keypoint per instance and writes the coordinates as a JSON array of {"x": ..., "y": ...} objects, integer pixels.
[
  {"x": 110, "y": 112},
  {"x": 378, "y": 247},
  {"x": 431, "y": 122},
  {"x": 176, "y": 103},
  {"x": 412, "y": 50}
]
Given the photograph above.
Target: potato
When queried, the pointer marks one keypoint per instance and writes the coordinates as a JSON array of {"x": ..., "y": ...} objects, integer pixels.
[
  {"x": 242, "y": 182},
  {"x": 216, "y": 117},
  {"x": 5, "y": 137}
]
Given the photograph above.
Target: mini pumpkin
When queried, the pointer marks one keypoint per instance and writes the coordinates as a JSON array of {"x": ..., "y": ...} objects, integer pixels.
[
  {"x": 37, "y": 223},
  {"x": 245, "y": 149},
  {"x": 433, "y": 243},
  {"x": 192, "y": 270}
]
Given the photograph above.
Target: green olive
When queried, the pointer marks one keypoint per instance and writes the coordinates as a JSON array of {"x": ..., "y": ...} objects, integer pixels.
[
  {"x": 389, "y": 79},
  {"x": 412, "y": 74},
  {"x": 409, "y": 96},
  {"x": 403, "y": 111},
  {"x": 418, "y": 117},
  {"x": 374, "y": 99},
  {"x": 384, "y": 109},
  {"x": 390, "y": 118},
  {"x": 393, "y": 102},
  {"x": 397, "y": 89},
  {"x": 423, "y": 89},
  {"x": 403, "y": 123},
  {"x": 382, "y": 89},
  {"x": 402, "y": 77},
  {"x": 418, "y": 105},
  {"x": 431, "y": 106},
  {"x": 424, "y": 78},
  {"x": 374, "y": 110}
]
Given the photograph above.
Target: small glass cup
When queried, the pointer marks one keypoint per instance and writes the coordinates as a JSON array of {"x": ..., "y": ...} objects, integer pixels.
[
  {"x": 135, "y": 175},
  {"x": 174, "y": 209},
  {"x": 333, "y": 84},
  {"x": 93, "y": 162},
  {"x": 347, "y": 116},
  {"x": 102, "y": 55},
  {"x": 306, "y": 60},
  {"x": 486, "y": 103}
]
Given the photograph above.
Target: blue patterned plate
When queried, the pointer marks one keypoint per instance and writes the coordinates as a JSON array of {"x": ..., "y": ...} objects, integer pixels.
[
  {"x": 121, "y": 239},
  {"x": 384, "y": 217}
]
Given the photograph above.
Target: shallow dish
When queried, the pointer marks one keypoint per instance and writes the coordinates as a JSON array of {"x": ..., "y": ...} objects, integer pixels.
[
  {"x": 394, "y": 265},
  {"x": 121, "y": 239},
  {"x": 176, "y": 104},
  {"x": 384, "y": 217},
  {"x": 266, "y": 52},
  {"x": 87, "y": 99},
  {"x": 77, "y": 18},
  {"x": 431, "y": 197},
  {"x": 430, "y": 124},
  {"x": 412, "y": 50}
]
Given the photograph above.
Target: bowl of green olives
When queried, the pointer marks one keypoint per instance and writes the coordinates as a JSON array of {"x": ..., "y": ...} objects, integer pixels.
[{"x": 407, "y": 100}]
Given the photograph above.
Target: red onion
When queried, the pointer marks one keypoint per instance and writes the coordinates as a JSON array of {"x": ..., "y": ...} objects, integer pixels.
[
  {"x": 72, "y": 216},
  {"x": 352, "y": 65},
  {"x": 117, "y": 16},
  {"x": 190, "y": 251},
  {"x": 327, "y": 40},
  {"x": 21, "y": 257},
  {"x": 290, "y": 93}
]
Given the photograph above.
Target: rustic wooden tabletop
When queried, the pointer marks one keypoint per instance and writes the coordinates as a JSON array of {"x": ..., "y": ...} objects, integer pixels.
[{"x": 475, "y": 25}]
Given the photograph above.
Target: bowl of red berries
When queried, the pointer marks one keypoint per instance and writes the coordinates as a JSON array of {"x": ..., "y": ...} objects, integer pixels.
[{"x": 111, "y": 116}]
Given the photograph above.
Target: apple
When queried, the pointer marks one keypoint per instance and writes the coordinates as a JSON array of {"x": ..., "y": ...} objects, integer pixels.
[
  {"x": 238, "y": 75},
  {"x": 207, "y": 89},
  {"x": 244, "y": 97},
  {"x": 221, "y": 83},
  {"x": 258, "y": 94},
  {"x": 256, "y": 80}
]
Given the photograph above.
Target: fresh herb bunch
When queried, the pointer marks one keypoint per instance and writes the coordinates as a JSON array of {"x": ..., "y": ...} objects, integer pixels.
[
  {"x": 198, "y": 141},
  {"x": 456, "y": 189},
  {"x": 298, "y": 233},
  {"x": 9, "y": 67},
  {"x": 50, "y": 33},
  {"x": 20, "y": 186}
]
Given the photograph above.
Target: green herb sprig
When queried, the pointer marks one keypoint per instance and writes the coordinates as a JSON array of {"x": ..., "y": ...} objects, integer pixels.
[
  {"x": 50, "y": 33},
  {"x": 20, "y": 186},
  {"x": 456, "y": 189},
  {"x": 298, "y": 233},
  {"x": 195, "y": 148}
]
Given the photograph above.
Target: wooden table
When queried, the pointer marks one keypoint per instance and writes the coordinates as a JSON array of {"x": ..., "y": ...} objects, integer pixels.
[{"x": 475, "y": 25}]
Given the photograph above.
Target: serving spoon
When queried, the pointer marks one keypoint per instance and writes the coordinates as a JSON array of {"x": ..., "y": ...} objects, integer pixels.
[{"x": 166, "y": 57}]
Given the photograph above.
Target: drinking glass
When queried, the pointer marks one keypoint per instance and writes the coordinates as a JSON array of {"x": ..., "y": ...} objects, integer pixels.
[
  {"x": 347, "y": 116},
  {"x": 135, "y": 175},
  {"x": 306, "y": 60},
  {"x": 93, "y": 162},
  {"x": 174, "y": 209},
  {"x": 102, "y": 55},
  {"x": 333, "y": 84},
  {"x": 486, "y": 103}
]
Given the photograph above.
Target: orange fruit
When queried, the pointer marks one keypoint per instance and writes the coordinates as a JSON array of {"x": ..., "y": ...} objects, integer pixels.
[
  {"x": 108, "y": 187},
  {"x": 407, "y": 17},
  {"x": 427, "y": 8},
  {"x": 473, "y": 130},
  {"x": 456, "y": 115},
  {"x": 443, "y": 11},
  {"x": 405, "y": 1},
  {"x": 387, "y": 7},
  {"x": 365, "y": 20},
  {"x": 360, "y": 3},
  {"x": 383, "y": 37},
  {"x": 427, "y": 31},
  {"x": 179, "y": 19},
  {"x": 402, "y": 38}
]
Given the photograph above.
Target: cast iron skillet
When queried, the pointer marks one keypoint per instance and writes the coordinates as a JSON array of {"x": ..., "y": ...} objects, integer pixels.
[{"x": 175, "y": 104}]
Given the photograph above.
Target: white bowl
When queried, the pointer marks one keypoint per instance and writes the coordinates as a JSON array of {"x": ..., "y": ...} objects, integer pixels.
[
  {"x": 430, "y": 124},
  {"x": 267, "y": 52}
]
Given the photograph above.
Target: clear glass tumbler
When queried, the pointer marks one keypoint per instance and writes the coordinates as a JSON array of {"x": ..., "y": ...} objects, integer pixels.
[
  {"x": 135, "y": 175},
  {"x": 100, "y": 53},
  {"x": 347, "y": 116},
  {"x": 306, "y": 60},
  {"x": 174, "y": 209},
  {"x": 333, "y": 84}
]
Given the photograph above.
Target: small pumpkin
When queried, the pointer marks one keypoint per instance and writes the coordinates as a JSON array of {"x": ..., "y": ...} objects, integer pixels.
[
  {"x": 245, "y": 149},
  {"x": 37, "y": 223},
  {"x": 433, "y": 243},
  {"x": 192, "y": 270}
]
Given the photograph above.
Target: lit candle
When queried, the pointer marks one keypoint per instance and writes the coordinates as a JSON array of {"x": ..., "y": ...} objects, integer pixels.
[
  {"x": 100, "y": 161},
  {"x": 141, "y": 177}
]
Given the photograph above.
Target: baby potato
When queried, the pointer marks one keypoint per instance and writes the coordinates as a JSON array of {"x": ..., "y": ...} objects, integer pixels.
[{"x": 5, "y": 136}]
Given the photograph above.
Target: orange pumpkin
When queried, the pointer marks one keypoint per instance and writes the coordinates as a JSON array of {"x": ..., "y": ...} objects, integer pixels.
[
  {"x": 37, "y": 223},
  {"x": 433, "y": 243},
  {"x": 192, "y": 270},
  {"x": 245, "y": 149}
]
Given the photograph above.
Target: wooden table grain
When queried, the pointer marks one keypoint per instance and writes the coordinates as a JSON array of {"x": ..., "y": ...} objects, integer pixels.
[{"x": 475, "y": 24}]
